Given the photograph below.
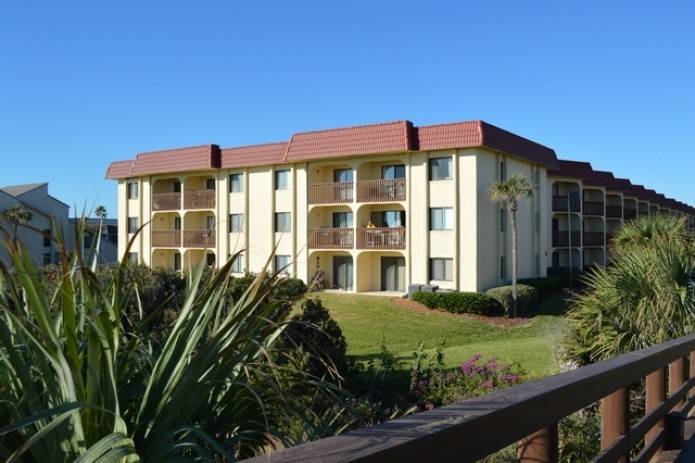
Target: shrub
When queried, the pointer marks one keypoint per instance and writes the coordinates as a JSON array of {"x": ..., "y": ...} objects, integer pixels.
[
  {"x": 526, "y": 297},
  {"x": 460, "y": 302},
  {"x": 547, "y": 285}
]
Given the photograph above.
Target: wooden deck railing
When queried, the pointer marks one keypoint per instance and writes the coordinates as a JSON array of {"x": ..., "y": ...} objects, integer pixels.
[
  {"x": 199, "y": 199},
  {"x": 166, "y": 201},
  {"x": 331, "y": 193},
  {"x": 560, "y": 204},
  {"x": 198, "y": 238},
  {"x": 528, "y": 415},
  {"x": 166, "y": 238},
  {"x": 331, "y": 238},
  {"x": 593, "y": 239},
  {"x": 381, "y": 238},
  {"x": 381, "y": 190},
  {"x": 593, "y": 208}
]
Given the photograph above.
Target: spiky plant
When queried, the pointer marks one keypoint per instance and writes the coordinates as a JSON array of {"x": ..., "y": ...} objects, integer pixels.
[
  {"x": 644, "y": 297},
  {"x": 76, "y": 386},
  {"x": 14, "y": 217}
]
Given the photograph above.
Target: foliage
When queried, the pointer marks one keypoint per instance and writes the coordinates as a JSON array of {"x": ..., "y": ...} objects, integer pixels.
[
  {"x": 526, "y": 298},
  {"x": 580, "y": 436},
  {"x": 643, "y": 298},
  {"x": 14, "y": 216},
  {"x": 547, "y": 285},
  {"x": 459, "y": 302}
]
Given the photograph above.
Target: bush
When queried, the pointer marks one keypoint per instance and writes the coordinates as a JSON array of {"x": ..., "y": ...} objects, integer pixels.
[
  {"x": 547, "y": 285},
  {"x": 460, "y": 302},
  {"x": 526, "y": 298}
]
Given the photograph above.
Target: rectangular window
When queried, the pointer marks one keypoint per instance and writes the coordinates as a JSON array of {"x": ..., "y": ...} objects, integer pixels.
[
  {"x": 132, "y": 224},
  {"x": 503, "y": 170},
  {"x": 388, "y": 218},
  {"x": 441, "y": 269},
  {"x": 133, "y": 258},
  {"x": 282, "y": 264},
  {"x": 394, "y": 171},
  {"x": 236, "y": 183},
  {"x": 176, "y": 187},
  {"x": 177, "y": 223},
  {"x": 342, "y": 175},
  {"x": 47, "y": 258},
  {"x": 210, "y": 184},
  {"x": 210, "y": 223},
  {"x": 177, "y": 262},
  {"x": 342, "y": 220},
  {"x": 503, "y": 220},
  {"x": 238, "y": 264},
  {"x": 210, "y": 259},
  {"x": 503, "y": 269},
  {"x": 132, "y": 189},
  {"x": 282, "y": 179},
  {"x": 440, "y": 168},
  {"x": 236, "y": 223},
  {"x": 47, "y": 238},
  {"x": 441, "y": 218},
  {"x": 282, "y": 222}
]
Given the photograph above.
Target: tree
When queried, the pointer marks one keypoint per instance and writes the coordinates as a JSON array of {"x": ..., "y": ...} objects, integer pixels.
[
  {"x": 15, "y": 216},
  {"x": 510, "y": 192},
  {"x": 100, "y": 212}
]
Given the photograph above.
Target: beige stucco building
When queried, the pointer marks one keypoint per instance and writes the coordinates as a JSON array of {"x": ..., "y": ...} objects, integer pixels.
[{"x": 367, "y": 208}]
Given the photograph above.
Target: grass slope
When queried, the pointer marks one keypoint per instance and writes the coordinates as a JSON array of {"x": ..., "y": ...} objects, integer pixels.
[{"x": 366, "y": 321}]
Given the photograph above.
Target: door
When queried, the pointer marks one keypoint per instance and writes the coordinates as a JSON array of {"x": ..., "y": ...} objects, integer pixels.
[
  {"x": 342, "y": 272},
  {"x": 177, "y": 187},
  {"x": 342, "y": 220},
  {"x": 210, "y": 184},
  {"x": 393, "y": 171},
  {"x": 393, "y": 273},
  {"x": 388, "y": 218},
  {"x": 342, "y": 175},
  {"x": 343, "y": 192}
]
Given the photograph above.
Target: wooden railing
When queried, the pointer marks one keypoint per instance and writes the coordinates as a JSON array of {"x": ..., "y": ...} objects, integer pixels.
[
  {"x": 166, "y": 201},
  {"x": 593, "y": 208},
  {"x": 200, "y": 199},
  {"x": 593, "y": 239},
  {"x": 331, "y": 193},
  {"x": 560, "y": 204},
  {"x": 166, "y": 238},
  {"x": 561, "y": 239},
  {"x": 381, "y": 238},
  {"x": 528, "y": 415},
  {"x": 331, "y": 238},
  {"x": 381, "y": 190},
  {"x": 198, "y": 238},
  {"x": 614, "y": 211}
]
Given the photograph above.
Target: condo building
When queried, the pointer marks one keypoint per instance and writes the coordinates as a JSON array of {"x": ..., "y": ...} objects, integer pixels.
[{"x": 374, "y": 208}]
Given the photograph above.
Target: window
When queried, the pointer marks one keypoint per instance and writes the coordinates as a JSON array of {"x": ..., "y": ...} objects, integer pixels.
[
  {"x": 282, "y": 264},
  {"x": 440, "y": 168},
  {"x": 210, "y": 259},
  {"x": 132, "y": 190},
  {"x": 441, "y": 218},
  {"x": 503, "y": 220},
  {"x": 133, "y": 258},
  {"x": 441, "y": 269},
  {"x": 210, "y": 184},
  {"x": 503, "y": 269},
  {"x": 177, "y": 262},
  {"x": 176, "y": 186},
  {"x": 210, "y": 223},
  {"x": 177, "y": 223},
  {"x": 342, "y": 220},
  {"x": 47, "y": 238},
  {"x": 503, "y": 170},
  {"x": 46, "y": 258},
  {"x": 342, "y": 175},
  {"x": 282, "y": 179},
  {"x": 388, "y": 218},
  {"x": 132, "y": 224},
  {"x": 238, "y": 264},
  {"x": 236, "y": 183},
  {"x": 236, "y": 223},
  {"x": 393, "y": 171},
  {"x": 282, "y": 222}
]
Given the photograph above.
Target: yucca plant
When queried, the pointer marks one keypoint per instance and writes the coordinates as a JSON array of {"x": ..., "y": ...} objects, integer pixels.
[
  {"x": 644, "y": 297},
  {"x": 76, "y": 386}
]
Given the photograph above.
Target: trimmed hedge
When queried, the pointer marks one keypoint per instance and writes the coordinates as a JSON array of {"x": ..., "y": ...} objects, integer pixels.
[
  {"x": 460, "y": 302},
  {"x": 526, "y": 297}
]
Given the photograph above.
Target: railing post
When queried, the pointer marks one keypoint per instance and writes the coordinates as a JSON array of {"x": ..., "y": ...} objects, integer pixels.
[
  {"x": 673, "y": 424},
  {"x": 676, "y": 378},
  {"x": 691, "y": 374},
  {"x": 539, "y": 447},
  {"x": 655, "y": 396},
  {"x": 614, "y": 418}
]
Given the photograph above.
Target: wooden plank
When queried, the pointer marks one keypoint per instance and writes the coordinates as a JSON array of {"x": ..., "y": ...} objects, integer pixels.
[
  {"x": 614, "y": 418},
  {"x": 655, "y": 397},
  {"x": 540, "y": 447}
]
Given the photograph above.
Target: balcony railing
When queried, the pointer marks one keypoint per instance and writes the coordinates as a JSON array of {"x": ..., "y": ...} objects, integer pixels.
[
  {"x": 166, "y": 238},
  {"x": 331, "y": 238},
  {"x": 561, "y": 239},
  {"x": 629, "y": 214},
  {"x": 166, "y": 201},
  {"x": 381, "y": 238},
  {"x": 200, "y": 199},
  {"x": 593, "y": 208},
  {"x": 331, "y": 193},
  {"x": 560, "y": 204},
  {"x": 381, "y": 190},
  {"x": 614, "y": 211},
  {"x": 593, "y": 239},
  {"x": 198, "y": 238}
]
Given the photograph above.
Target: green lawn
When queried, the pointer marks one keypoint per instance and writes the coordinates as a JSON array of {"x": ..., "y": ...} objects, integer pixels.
[{"x": 367, "y": 320}]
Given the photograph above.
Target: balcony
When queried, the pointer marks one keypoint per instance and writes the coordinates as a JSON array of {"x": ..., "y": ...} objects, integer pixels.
[
  {"x": 331, "y": 238},
  {"x": 593, "y": 208},
  {"x": 166, "y": 238},
  {"x": 382, "y": 190},
  {"x": 561, "y": 239},
  {"x": 199, "y": 238},
  {"x": 331, "y": 193},
  {"x": 200, "y": 199},
  {"x": 381, "y": 238},
  {"x": 560, "y": 204},
  {"x": 593, "y": 239},
  {"x": 630, "y": 214},
  {"x": 166, "y": 201},
  {"x": 614, "y": 212}
]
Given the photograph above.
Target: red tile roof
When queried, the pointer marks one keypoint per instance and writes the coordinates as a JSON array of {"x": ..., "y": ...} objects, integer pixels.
[
  {"x": 253, "y": 155},
  {"x": 191, "y": 158},
  {"x": 119, "y": 169}
]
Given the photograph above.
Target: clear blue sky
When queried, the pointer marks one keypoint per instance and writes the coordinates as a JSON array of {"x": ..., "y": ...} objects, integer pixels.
[{"x": 86, "y": 83}]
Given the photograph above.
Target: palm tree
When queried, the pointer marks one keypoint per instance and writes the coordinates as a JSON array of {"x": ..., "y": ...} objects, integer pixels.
[
  {"x": 15, "y": 216},
  {"x": 510, "y": 192},
  {"x": 100, "y": 212}
]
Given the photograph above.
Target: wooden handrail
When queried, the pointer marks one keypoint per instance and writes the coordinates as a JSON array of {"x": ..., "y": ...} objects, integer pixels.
[
  {"x": 166, "y": 201},
  {"x": 331, "y": 238},
  {"x": 330, "y": 193},
  {"x": 381, "y": 238},
  {"x": 475, "y": 428},
  {"x": 199, "y": 199},
  {"x": 166, "y": 238},
  {"x": 381, "y": 190},
  {"x": 198, "y": 238}
]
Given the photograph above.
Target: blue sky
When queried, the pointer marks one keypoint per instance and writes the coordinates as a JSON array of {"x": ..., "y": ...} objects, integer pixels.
[{"x": 86, "y": 83}]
